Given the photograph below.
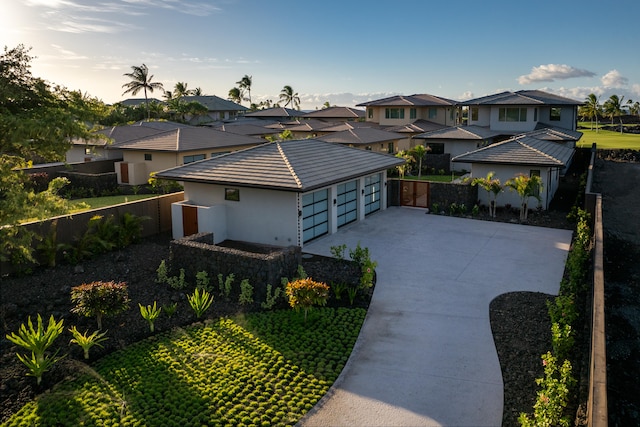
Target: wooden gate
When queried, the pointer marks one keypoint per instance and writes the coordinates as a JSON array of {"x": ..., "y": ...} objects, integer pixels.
[
  {"x": 415, "y": 193},
  {"x": 189, "y": 220}
]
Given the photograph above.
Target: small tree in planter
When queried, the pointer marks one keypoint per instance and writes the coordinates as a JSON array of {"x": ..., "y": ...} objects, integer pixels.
[
  {"x": 493, "y": 187},
  {"x": 100, "y": 299},
  {"x": 306, "y": 293}
]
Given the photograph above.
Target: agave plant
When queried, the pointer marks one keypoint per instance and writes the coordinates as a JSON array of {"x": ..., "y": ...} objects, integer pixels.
[
  {"x": 150, "y": 313},
  {"x": 200, "y": 301},
  {"x": 87, "y": 341}
]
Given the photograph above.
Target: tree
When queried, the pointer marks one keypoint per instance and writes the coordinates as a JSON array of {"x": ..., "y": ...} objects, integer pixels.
[
  {"x": 180, "y": 90},
  {"x": 235, "y": 95},
  {"x": 493, "y": 187},
  {"x": 592, "y": 108},
  {"x": 418, "y": 153},
  {"x": 306, "y": 293},
  {"x": 526, "y": 187},
  {"x": 197, "y": 92},
  {"x": 288, "y": 96},
  {"x": 100, "y": 299},
  {"x": 141, "y": 80},
  {"x": 408, "y": 159},
  {"x": 613, "y": 108},
  {"x": 245, "y": 85},
  {"x": 37, "y": 123}
]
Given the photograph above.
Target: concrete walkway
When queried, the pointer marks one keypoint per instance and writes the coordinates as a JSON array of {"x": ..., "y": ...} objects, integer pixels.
[{"x": 425, "y": 355}]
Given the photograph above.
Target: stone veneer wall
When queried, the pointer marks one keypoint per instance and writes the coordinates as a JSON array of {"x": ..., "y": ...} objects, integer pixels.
[
  {"x": 267, "y": 265},
  {"x": 446, "y": 193}
]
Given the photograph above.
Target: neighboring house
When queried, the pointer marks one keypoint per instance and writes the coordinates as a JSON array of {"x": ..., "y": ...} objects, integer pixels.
[
  {"x": 336, "y": 114},
  {"x": 134, "y": 102},
  {"x": 142, "y": 156},
  {"x": 514, "y": 113},
  {"x": 402, "y": 110},
  {"x": 568, "y": 138},
  {"x": 277, "y": 113},
  {"x": 520, "y": 155},
  {"x": 371, "y": 139},
  {"x": 281, "y": 193},
  {"x": 248, "y": 129},
  {"x": 455, "y": 141},
  {"x": 102, "y": 149},
  {"x": 219, "y": 109}
]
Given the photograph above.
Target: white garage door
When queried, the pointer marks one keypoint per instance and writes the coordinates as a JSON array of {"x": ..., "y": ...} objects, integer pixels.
[
  {"x": 315, "y": 214},
  {"x": 347, "y": 203}
]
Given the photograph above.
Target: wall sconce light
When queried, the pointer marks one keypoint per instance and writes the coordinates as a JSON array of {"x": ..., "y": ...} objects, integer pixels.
[
  {"x": 363, "y": 191},
  {"x": 335, "y": 202}
]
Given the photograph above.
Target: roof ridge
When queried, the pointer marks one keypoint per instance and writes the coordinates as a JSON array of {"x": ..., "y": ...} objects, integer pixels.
[
  {"x": 537, "y": 150},
  {"x": 288, "y": 165}
]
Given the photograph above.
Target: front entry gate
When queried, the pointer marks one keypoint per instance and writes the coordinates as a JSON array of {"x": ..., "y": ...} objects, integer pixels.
[{"x": 415, "y": 193}]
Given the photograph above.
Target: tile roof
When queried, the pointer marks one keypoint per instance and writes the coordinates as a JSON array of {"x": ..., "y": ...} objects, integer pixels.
[
  {"x": 118, "y": 134},
  {"x": 336, "y": 113},
  {"x": 247, "y": 129},
  {"x": 460, "y": 132},
  {"x": 215, "y": 103},
  {"x": 522, "y": 97},
  {"x": 418, "y": 100},
  {"x": 419, "y": 126},
  {"x": 275, "y": 112},
  {"x": 521, "y": 150},
  {"x": 310, "y": 125},
  {"x": 297, "y": 165},
  {"x": 341, "y": 126},
  {"x": 133, "y": 102},
  {"x": 361, "y": 136},
  {"x": 554, "y": 133},
  {"x": 189, "y": 139}
]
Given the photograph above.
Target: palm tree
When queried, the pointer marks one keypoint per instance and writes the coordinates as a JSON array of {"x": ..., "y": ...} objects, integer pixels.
[
  {"x": 180, "y": 90},
  {"x": 526, "y": 187},
  {"x": 235, "y": 95},
  {"x": 140, "y": 79},
  {"x": 245, "y": 85},
  {"x": 288, "y": 96},
  {"x": 613, "y": 108},
  {"x": 492, "y": 186},
  {"x": 418, "y": 152},
  {"x": 592, "y": 108},
  {"x": 197, "y": 92}
]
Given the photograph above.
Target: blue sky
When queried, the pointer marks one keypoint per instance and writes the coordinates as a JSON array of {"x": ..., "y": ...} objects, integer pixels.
[{"x": 344, "y": 52}]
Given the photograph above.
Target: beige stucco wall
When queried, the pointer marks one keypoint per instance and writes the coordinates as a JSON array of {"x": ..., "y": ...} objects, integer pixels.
[{"x": 443, "y": 116}]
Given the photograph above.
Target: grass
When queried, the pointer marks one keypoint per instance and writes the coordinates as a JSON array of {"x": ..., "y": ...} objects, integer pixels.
[
  {"x": 263, "y": 369},
  {"x": 80, "y": 205},
  {"x": 608, "y": 140}
]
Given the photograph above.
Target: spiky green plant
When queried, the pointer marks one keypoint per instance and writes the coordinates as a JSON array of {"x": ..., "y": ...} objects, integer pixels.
[
  {"x": 86, "y": 341},
  {"x": 200, "y": 301},
  {"x": 150, "y": 313}
]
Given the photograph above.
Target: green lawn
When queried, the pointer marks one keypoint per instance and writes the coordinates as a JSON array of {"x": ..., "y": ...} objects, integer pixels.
[
  {"x": 80, "y": 205},
  {"x": 263, "y": 369},
  {"x": 609, "y": 140}
]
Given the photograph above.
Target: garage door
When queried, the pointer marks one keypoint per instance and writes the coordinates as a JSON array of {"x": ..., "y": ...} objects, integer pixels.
[
  {"x": 347, "y": 203},
  {"x": 315, "y": 215},
  {"x": 371, "y": 194}
]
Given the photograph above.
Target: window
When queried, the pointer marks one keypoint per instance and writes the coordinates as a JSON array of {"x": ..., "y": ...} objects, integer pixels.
[
  {"x": 87, "y": 151},
  {"x": 370, "y": 112},
  {"x": 554, "y": 114},
  {"x": 232, "y": 194},
  {"x": 147, "y": 157},
  {"x": 191, "y": 159},
  {"x": 394, "y": 113},
  {"x": 219, "y": 153},
  {"x": 413, "y": 113},
  {"x": 433, "y": 112},
  {"x": 435, "y": 147},
  {"x": 391, "y": 149},
  {"x": 474, "y": 114},
  {"x": 535, "y": 114},
  {"x": 512, "y": 114}
]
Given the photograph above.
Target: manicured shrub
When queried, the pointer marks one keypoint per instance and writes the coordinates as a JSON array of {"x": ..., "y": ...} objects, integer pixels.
[
  {"x": 306, "y": 293},
  {"x": 100, "y": 299}
]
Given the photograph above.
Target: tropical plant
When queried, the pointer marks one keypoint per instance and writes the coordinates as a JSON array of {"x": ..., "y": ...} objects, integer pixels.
[
  {"x": 224, "y": 284},
  {"x": 130, "y": 229},
  {"x": 178, "y": 282},
  {"x": 100, "y": 299},
  {"x": 338, "y": 251},
  {"x": 288, "y": 96},
  {"x": 86, "y": 341},
  {"x": 180, "y": 90},
  {"x": 162, "y": 273},
  {"x": 49, "y": 246},
  {"x": 526, "y": 187},
  {"x": 200, "y": 301},
  {"x": 271, "y": 298},
  {"x": 592, "y": 109},
  {"x": 141, "y": 80},
  {"x": 235, "y": 95},
  {"x": 338, "y": 289},
  {"x": 306, "y": 293},
  {"x": 203, "y": 280},
  {"x": 418, "y": 152},
  {"x": 246, "y": 292},
  {"x": 37, "y": 340},
  {"x": 408, "y": 159},
  {"x": 493, "y": 187},
  {"x": 245, "y": 85},
  {"x": 170, "y": 309},
  {"x": 613, "y": 108},
  {"x": 150, "y": 313}
]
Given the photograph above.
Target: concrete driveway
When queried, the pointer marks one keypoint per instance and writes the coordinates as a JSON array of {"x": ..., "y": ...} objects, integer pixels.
[{"x": 425, "y": 355}]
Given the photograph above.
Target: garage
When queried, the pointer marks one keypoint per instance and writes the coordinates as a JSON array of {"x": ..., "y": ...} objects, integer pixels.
[
  {"x": 372, "y": 194},
  {"x": 347, "y": 203},
  {"x": 315, "y": 214}
]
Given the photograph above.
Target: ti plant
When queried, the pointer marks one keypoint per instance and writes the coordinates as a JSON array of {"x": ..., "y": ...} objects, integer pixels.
[
  {"x": 306, "y": 293},
  {"x": 200, "y": 301},
  {"x": 86, "y": 341},
  {"x": 37, "y": 340},
  {"x": 150, "y": 313}
]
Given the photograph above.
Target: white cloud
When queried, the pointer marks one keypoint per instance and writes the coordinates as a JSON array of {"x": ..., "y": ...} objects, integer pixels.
[
  {"x": 613, "y": 79},
  {"x": 552, "y": 72},
  {"x": 635, "y": 89},
  {"x": 467, "y": 95}
]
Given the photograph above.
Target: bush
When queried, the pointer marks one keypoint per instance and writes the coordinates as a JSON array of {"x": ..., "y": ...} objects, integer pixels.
[
  {"x": 271, "y": 299},
  {"x": 246, "y": 292},
  {"x": 200, "y": 301},
  {"x": 306, "y": 293},
  {"x": 100, "y": 299}
]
